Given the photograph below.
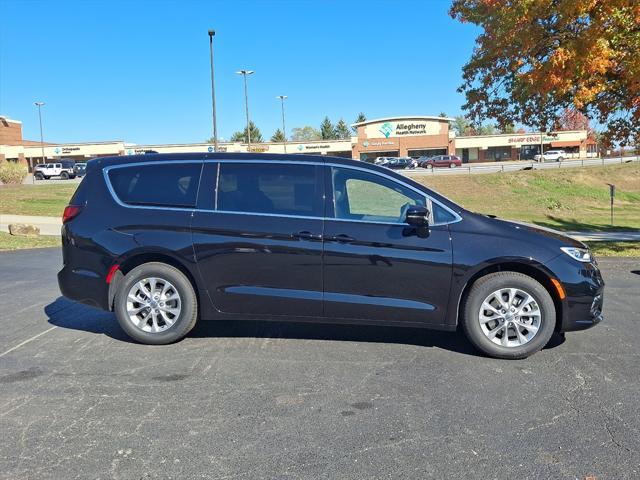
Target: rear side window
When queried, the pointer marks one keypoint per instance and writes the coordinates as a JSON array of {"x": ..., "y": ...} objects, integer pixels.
[
  {"x": 278, "y": 189},
  {"x": 167, "y": 185}
]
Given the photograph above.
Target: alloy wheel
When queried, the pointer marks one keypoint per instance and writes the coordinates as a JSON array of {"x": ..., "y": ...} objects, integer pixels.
[
  {"x": 153, "y": 304},
  {"x": 510, "y": 317}
]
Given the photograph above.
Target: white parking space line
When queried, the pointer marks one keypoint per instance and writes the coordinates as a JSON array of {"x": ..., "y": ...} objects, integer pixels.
[{"x": 26, "y": 341}]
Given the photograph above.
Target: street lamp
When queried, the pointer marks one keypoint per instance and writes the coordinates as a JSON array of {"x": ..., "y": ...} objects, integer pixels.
[
  {"x": 213, "y": 93},
  {"x": 284, "y": 130},
  {"x": 244, "y": 73},
  {"x": 39, "y": 105}
]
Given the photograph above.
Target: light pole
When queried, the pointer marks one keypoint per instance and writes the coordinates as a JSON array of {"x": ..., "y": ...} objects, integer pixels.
[
  {"x": 244, "y": 73},
  {"x": 284, "y": 130},
  {"x": 213, "y": 93},
  {"x": 39, "y": 105}
]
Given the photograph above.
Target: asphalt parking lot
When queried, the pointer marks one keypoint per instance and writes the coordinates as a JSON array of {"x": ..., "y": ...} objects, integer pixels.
[{"x": 275, "y": 400}]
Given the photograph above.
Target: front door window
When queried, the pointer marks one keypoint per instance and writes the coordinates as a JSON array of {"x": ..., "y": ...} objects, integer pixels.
[{"x": 363, "y": 196}]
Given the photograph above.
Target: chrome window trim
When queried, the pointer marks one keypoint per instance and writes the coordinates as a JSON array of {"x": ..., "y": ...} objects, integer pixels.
[
  {"x": 457, "y": 217},
  {"x": 106, "y": 170}
]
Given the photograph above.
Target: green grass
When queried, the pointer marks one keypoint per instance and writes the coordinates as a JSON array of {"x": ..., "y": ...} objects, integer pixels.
[
  {"x": 47, "y": 200},
  {"x": 615, "y": 249},
  {"x": 571, "y": 199},
  {"x": 13, "y": 242}
]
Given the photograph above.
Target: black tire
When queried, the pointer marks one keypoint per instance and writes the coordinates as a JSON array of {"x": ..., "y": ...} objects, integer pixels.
[
  {"x": 64, "y": 176},
  {"x": 452, "y": 165},
  {"x": 46, "y": 178},
  {"x": 38, "y": 176},
  {"x": 560, "y": 159},
  {"x": 481, "y": 289},
  {"x": 185, "y": 321},
  {"x": 429, "y": 166}
]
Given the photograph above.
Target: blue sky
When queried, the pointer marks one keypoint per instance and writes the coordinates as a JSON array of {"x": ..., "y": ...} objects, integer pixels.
[{"x": 139, "y": 70}]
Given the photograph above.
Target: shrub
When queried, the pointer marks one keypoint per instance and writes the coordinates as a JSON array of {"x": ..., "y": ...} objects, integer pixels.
[{"x": 11, "y": 172}]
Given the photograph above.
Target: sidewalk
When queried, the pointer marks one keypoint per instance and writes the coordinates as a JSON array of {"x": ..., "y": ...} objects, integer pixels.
[
  {"x": 47, "y": 225},
  {"x": 629, "y": 236},
  {"x": 51, "y": 226}
]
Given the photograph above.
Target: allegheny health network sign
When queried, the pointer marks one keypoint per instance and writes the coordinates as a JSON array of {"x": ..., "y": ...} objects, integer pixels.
[{"x": 405, "y": 128}]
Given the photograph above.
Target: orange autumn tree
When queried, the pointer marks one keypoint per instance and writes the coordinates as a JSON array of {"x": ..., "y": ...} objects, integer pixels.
[
  {"x": 537, "y": 58},
  {"x": 572, "y": 119}
]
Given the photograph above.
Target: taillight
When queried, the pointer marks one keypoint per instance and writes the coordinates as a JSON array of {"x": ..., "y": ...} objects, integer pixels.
[{"x": 70, "y": 212}]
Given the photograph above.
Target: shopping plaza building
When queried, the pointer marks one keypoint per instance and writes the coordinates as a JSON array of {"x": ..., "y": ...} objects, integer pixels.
[{"x": 385, "y": 137}]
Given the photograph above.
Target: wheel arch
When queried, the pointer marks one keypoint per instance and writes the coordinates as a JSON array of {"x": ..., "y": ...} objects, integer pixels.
[
  {"x": 537, "y": 272},
  {"x": 141, "y": 258}
]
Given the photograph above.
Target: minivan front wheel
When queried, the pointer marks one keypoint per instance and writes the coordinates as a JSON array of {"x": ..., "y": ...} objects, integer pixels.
[
  {"x": 508, "y": 315},
  {"x": 156, "y": 304}
]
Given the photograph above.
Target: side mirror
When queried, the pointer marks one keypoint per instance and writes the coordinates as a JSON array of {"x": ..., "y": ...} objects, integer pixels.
[{"x": 417, "y": 216}]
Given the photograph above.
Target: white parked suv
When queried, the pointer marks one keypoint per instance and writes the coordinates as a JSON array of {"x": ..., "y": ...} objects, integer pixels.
[
  {"x": 45, "y": 171},
  {"x": 551, "y": 156}
]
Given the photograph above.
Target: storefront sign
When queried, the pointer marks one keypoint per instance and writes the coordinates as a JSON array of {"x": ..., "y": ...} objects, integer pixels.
[
  {"x": 532, "y": 138},
  {"x": 402, "y": 129},
  {"x": 389, "y": 129},
  {"x": 314, "y": 147},
  {"x": 411, "y": 129},
  {"x": 378, "y": 143},
  {"x": 70, "y": 149}
]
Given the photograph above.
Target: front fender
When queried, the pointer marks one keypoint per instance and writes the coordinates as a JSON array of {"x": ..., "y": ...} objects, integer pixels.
[{"x": 463, "y": 277}]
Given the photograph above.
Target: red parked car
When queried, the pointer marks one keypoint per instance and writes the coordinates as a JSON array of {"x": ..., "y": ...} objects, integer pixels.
[{"x": 449, "y": 161}]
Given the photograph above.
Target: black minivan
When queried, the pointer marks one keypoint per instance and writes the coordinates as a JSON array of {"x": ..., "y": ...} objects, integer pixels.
[{"x": 165, "y": 240}]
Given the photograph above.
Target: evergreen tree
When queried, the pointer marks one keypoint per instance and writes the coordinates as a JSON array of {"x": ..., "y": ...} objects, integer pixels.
[
  {"x": 256, "y": 136},
  {"x": 327, "y": 130},
  {"x": 278, "y": 136},
  {"x": 361, "y": 118},
  {"x": 342, "y": 130}
]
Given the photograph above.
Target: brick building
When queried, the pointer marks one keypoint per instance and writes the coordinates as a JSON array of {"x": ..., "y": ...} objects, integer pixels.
[{"x": 385, "y": 137}]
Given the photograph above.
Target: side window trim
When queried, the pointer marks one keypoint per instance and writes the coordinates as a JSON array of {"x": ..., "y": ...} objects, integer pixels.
[
  {"x": 328, "y": 192},
  {"x": 329, "y": 188},
  {"x": 429, "y": 200}
]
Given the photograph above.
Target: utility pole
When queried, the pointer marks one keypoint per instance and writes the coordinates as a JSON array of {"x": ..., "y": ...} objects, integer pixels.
[
  {"x": 244, "y": 73},
  {"x": 213, "y": 93},
  {"x": 284, "y": 130},
  {"x": 541, "y": 146},
  {"x": 39, "y": 105}
]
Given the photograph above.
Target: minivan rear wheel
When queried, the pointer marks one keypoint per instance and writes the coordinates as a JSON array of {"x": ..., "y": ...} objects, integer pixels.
[
  {"x": 156, "y": 304},
  {"x": 508, "y": 315}
]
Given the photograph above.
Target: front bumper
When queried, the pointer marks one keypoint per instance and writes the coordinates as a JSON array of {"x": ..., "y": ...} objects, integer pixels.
[{"x": 584, "y": 288}]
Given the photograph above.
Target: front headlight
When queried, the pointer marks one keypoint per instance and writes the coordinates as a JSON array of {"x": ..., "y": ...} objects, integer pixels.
[{"x": 579, "y": 254}]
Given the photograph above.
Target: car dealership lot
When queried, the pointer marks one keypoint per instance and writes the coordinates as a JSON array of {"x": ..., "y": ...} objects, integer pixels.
[{"x": 275, "y": 400}]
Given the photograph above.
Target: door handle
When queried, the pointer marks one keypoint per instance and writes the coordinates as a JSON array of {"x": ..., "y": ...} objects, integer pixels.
[
  {"x": 342, "y": 238},
  {"x": 305, "y": 235}
]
